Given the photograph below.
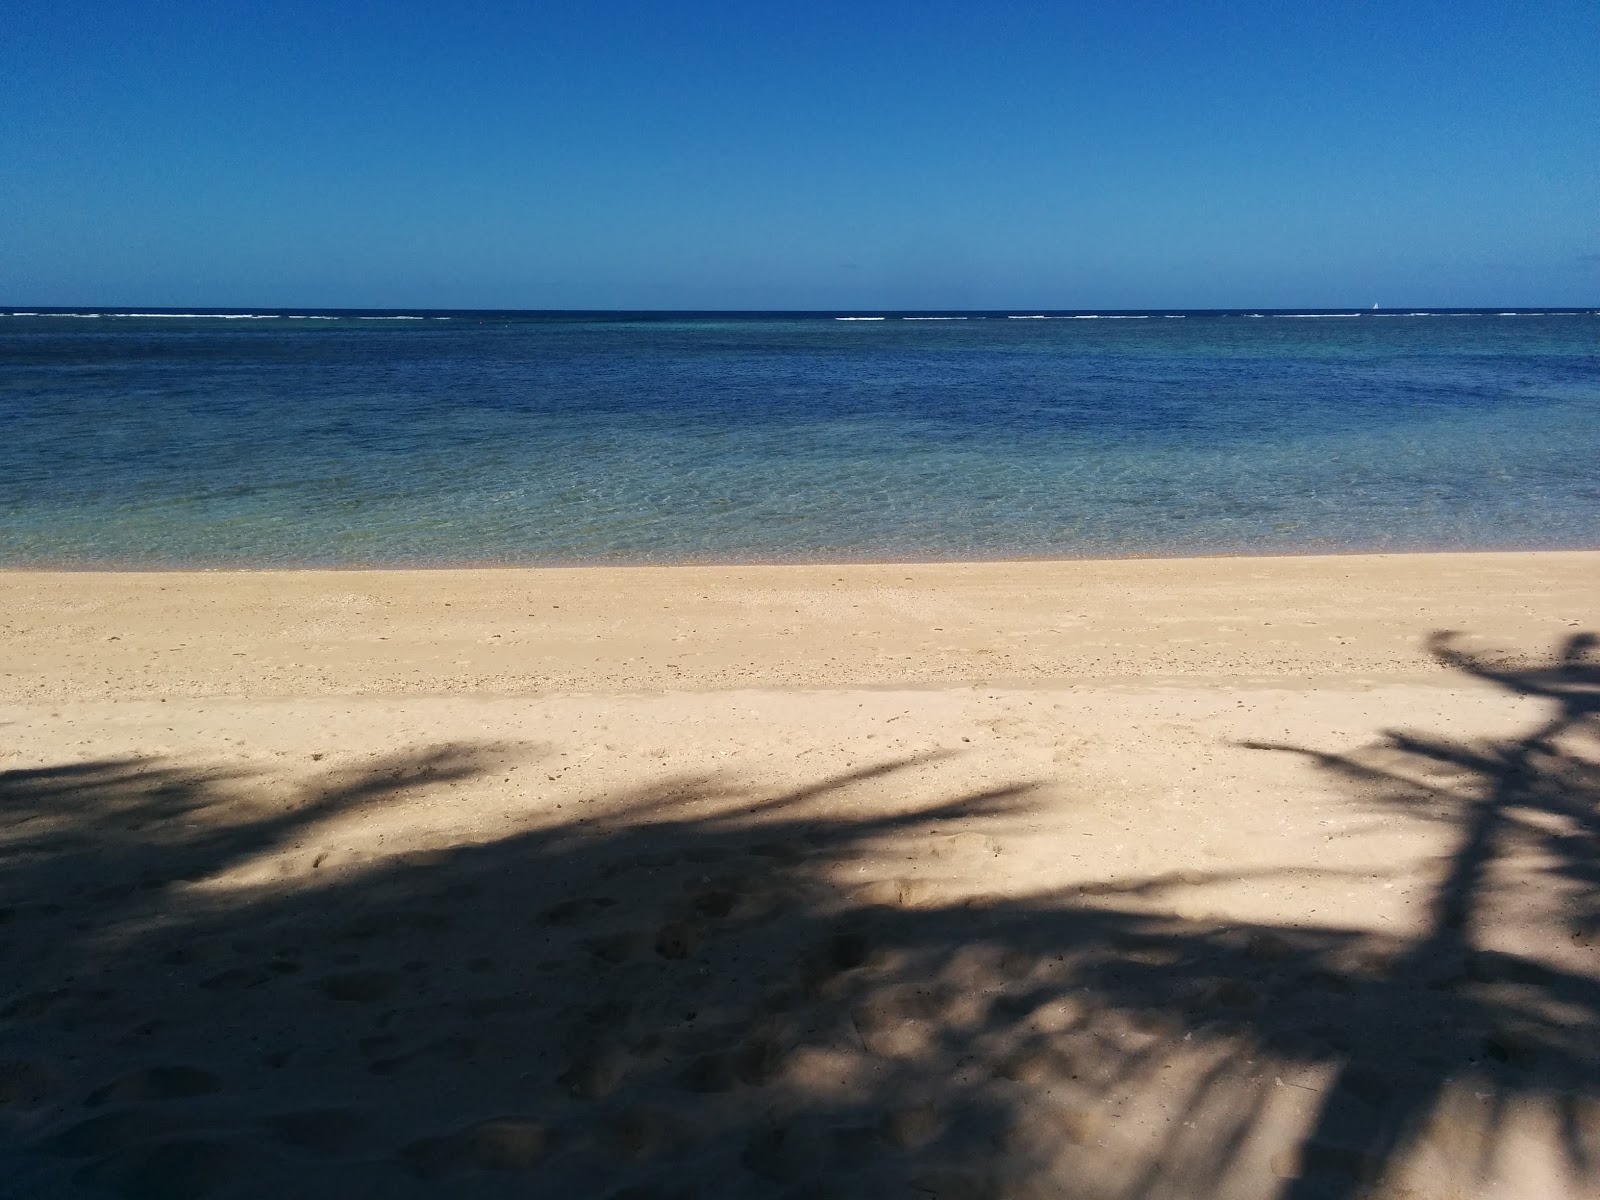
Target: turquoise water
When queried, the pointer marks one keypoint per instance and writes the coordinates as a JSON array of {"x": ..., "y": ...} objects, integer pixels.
[{"x": 323, "y": 438}]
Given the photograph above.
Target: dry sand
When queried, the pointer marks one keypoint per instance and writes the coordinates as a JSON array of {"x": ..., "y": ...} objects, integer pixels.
[{"x": 1233, "y": 878}]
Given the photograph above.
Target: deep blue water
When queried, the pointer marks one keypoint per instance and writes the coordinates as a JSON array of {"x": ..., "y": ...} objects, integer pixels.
[{"x": 525, "y": 438}]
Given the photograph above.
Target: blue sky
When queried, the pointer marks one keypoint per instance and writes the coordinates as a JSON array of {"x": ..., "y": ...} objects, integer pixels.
[{"x": 698, "y": 155}]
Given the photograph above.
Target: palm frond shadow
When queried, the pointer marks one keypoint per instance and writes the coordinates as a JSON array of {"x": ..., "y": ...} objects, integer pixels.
[
  {"x": 1526, "y": 812},
  {"x": 695, "y": 998}
]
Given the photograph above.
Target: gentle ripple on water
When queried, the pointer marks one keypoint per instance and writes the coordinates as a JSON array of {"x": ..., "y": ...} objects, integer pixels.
[{"x": 505, "y": 438}]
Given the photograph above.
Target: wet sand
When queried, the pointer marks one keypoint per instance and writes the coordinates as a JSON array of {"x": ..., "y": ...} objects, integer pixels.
[{"x": 1206, "y": 877}]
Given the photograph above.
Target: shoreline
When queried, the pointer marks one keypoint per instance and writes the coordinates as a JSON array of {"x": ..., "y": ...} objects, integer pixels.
[{"x": 114, "y": 568}]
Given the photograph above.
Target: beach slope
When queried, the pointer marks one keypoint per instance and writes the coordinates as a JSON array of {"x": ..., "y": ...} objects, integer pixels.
[{"x": 1206, "y": 877}]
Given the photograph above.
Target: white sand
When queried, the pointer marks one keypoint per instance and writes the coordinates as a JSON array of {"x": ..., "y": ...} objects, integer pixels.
[{"x": 1048, "y": 879}]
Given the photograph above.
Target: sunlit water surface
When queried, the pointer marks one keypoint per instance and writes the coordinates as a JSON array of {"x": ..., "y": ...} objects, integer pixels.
[{"x": 524, "y": 438}]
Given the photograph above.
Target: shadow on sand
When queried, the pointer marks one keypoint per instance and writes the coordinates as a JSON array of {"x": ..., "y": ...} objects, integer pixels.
[{"x": 688, "y": 1002}]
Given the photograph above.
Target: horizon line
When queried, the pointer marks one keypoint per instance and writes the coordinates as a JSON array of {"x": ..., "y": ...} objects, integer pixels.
[{"x": 24, "y": 309}]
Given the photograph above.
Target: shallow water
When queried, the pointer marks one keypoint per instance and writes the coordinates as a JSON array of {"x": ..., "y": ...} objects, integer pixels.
[{"x": 145, "y": 441}]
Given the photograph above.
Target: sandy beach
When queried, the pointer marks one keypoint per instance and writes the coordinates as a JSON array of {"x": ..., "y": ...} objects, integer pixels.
[{"x": 1258, "y": 877}]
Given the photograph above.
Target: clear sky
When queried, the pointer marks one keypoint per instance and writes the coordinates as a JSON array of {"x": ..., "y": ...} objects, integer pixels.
[{"x": 739, "y": 155}]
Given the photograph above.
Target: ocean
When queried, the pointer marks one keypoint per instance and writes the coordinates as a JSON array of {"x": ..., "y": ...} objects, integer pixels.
[{"x": 324, "y": 438}]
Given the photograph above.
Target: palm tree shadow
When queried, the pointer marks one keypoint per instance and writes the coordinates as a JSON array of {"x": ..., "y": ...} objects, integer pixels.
[
  {"x": 1521, "y": 1026},
  {"x": 706, "y": 995}
]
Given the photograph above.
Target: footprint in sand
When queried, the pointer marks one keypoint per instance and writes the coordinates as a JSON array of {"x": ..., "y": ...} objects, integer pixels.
[
  {"x": 239, "y": 979},
  {"x": 646, "y": 862},
  {"x": 954, "y": 1184},
  {"x": 1031, "y": 1067},
  {"x": 963, "y": 845},
  {"x": 1149, "y": 954},
  {"x": 26, "y": 1084},
  {"x": 785, "y": 1154},
  {"x": 777, "y": 851},
  {"x": 760, "y": 1060},
  {"x": 359, "y": 987},
  {"x": 187, "y": 1169},
  {"x": 913, "y": 1128},
  {"x": 500, "y": 1144},
  {"x": 581, "y": 908},
  {"x": 595, "y": 1072},
  {"x": 608, "y": 1013},
  {"x": 1317, "y": 1158},
  {"x": 734, "y": 897},
  {"x": 1371, "y": 1086},
  {"x": 1510, "y": 1047},
  {"x": 460, "y": 1048},
  {"x": 376, "y": 925},
  {"x": 70, "y": 1003},
  {"x": 321, "y": 1131},
  {"x": 1047, "y": 1128},
  {"x": 614, "y": 948},
  {"x": 716, "y": 903},
  {"x": 1018, "y": 963},
  {"x": 881, "y": 893},
  {"x": 845, "y": 951},
  {"x": 107, "y": 1134},
  {"x": 657, "y": 1191},
  {"x": 646, "y": 1133},
  {"x": 380, "y": 1043},
  {"x": 34, "y": 1004},
  {"x": 824, "y": 972},
  {"x": 848, "y": 949},
  {"x": 888, "y": 1030},
  {"x": 1268, "y": 947},
  {"x": 716, "y": 1072},
  {"x": 156, "y": 1083},
  {"x": 183, "y": 956},
  {"x": 677, "y": 939},
  {"x": 1237, "y": 994}
]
